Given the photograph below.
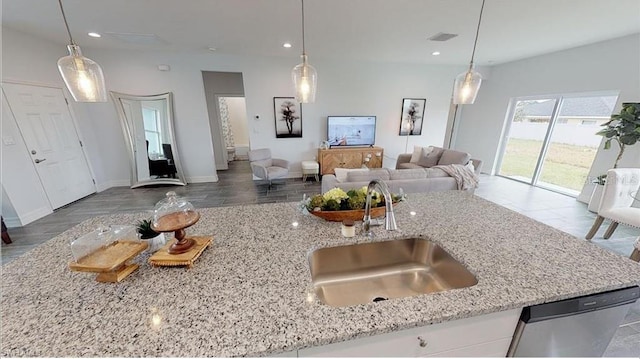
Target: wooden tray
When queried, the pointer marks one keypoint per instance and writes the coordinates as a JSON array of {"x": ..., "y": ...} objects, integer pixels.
[
  {"x": 111, "y": 261},
  {"x": 356, "y": 214},
  {"x": 162, "y": 258},
  {"x": 108, "y": 258}
]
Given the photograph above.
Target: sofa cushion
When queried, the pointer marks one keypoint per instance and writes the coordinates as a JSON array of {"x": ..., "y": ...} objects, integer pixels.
[
  {"x": 362, "y": 176},
  {"x": 341, "y": 173},
  {"x": 430, "y": 156},
  {"x": 409, "y": 165},
  {"x": 415, "y": 173},
  {"x": 452, "y": 157},
  {"x": 417, "y": 152},
  {"x": 435, "y": 172}
]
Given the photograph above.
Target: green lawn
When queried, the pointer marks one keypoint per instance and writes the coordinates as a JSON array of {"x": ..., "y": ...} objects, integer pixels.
[{"x": 566, "y": 165}]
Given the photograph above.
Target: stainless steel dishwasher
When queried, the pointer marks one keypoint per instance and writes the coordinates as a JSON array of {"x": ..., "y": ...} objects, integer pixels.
[{"x": 577, "y": 327}]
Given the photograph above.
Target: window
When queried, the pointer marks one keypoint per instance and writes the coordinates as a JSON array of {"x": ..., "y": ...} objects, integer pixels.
[{"x": 152, "y": 131}]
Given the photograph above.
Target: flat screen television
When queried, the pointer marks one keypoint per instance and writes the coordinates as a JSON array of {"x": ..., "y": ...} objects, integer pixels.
[{"x": 351, "y": 130}]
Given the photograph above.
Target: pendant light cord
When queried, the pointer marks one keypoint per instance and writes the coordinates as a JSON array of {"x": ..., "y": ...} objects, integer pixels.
[
  {"x": 67, "y": 24},
  {"x": 477, "y": 33},
  {"x": 303, "y": 49}
]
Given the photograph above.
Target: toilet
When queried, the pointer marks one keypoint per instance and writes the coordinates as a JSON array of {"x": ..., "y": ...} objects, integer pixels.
[{"x": 231, "y": 154}]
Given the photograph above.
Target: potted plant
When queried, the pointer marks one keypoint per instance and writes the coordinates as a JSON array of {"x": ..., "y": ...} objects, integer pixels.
[
  {"x": 624, "y": 129},
  {"x": 156, "y": 240}
]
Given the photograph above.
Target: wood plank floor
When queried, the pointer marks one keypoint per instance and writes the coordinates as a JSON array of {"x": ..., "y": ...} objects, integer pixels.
[{"x": 236, "y": 187}]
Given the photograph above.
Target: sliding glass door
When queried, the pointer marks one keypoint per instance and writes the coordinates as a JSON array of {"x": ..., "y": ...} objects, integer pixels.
[
  {"x": 551, "y": 141},
  {"x": 529, "y": 125}
]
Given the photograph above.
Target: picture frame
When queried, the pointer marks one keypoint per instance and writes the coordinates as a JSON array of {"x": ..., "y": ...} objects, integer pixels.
[
  {"x": 412, "y": 116},
  {"x": 287, "y": 114}
]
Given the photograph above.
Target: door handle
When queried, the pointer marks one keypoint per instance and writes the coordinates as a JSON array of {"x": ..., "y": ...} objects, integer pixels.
[{"x": 40, "y": 160}]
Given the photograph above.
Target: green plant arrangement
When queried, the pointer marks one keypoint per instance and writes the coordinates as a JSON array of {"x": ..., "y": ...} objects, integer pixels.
[
  {"x": 337, "y": 199},
  {"x": 144, "y": 228},
  {"x": 624, "y": 129}
]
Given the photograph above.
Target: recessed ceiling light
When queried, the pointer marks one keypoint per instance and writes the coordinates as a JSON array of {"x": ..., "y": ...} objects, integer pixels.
[
  {"x": 435, "y": 53},
  {"x": 94, "y": 34},
  {"x": 212, "y": 49},
  {"x": 287, "y": 45}
]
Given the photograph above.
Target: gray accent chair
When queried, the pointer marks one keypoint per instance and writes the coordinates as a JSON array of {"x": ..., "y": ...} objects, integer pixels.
[{"x": 267, "y": 168}]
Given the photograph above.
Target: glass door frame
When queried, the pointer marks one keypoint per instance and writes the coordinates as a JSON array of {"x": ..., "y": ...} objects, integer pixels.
[
  {"x": 559, "y": 98},
  {"x": 545, "y": 142}
]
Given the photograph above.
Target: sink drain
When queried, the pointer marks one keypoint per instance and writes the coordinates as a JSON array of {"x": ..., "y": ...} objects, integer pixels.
[{"x": 378, "y": 299}]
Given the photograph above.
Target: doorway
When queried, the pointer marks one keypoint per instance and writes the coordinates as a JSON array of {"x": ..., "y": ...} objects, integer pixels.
[
  {"x": 551, "y": 141},
  {"x": 232, "y": 111},
  {"x": 220, "y": 84},
  {"x": 49, "y": 133}
]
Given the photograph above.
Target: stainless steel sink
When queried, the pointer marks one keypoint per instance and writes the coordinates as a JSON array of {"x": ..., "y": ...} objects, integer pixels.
[{"x": 370, "y": 272}]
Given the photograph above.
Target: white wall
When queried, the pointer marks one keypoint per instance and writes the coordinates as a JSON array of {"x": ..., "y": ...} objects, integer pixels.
[
  {"x": 610, "y": 65},
  {"x": 343, "y": 88}
]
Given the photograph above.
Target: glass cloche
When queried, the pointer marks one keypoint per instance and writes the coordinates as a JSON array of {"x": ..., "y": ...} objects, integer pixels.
[
  {"x": 100, "y": 238},
  {"x": 175, "y": 213}
]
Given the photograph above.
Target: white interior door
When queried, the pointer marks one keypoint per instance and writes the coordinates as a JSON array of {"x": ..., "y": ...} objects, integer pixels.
[{"x": 52, "y": 141}]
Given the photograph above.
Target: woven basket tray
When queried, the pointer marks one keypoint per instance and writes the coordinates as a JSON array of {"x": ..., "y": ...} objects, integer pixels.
[{"x": 356, "y": 214}]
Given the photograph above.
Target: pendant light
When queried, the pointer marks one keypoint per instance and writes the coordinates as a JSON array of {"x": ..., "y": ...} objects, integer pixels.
[
  {"x": 468, "y": 83},
  {"x": 83, "y": 76},
  {"x": 304, "y": 76}
]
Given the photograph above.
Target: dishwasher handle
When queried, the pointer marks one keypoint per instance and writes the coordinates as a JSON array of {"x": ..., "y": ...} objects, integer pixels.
[{"x": 583, "y": 304}]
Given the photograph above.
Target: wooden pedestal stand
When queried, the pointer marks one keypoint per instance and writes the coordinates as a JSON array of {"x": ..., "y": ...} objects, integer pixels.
[
  {"x": 177, "y": 222},
  {"x": 183, "y": 250}
]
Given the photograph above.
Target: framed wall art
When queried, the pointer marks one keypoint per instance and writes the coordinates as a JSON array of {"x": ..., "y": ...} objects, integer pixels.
[
  {"x": 288, "y": 117},
  {"x": 412, "y": 116}
]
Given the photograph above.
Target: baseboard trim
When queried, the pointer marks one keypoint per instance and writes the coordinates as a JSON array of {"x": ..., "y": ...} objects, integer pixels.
[
  {"x": 13, "y": 222},
  {"x": 202, "y": 179}
]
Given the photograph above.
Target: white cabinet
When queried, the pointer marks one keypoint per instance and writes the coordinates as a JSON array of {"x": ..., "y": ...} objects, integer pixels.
[{"x": 485, "y": 335}]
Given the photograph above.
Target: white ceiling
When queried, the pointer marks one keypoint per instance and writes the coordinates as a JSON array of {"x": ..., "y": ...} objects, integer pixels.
[{"x": 372, "y": 30}]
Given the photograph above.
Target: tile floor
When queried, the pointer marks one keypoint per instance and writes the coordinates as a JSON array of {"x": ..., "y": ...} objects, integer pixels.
[{"x": 236, "y": 187}]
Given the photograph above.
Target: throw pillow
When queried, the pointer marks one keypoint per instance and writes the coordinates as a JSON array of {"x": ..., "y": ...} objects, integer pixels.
[
  {"x": 451, "y": 157},
  {"x": 342, "y": 173},
  {"x": 417, "y": 152},
  {"x": 430, "y": 157}
]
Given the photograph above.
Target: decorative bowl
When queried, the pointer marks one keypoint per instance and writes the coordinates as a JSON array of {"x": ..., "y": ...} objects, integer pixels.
[{"x": 355, "y": 214}]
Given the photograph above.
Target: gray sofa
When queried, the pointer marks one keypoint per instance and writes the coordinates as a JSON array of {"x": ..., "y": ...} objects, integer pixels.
[{"x": 410, "y": 176}]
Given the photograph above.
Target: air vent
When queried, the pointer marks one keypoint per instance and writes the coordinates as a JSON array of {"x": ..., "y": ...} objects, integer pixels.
[
  {"x": 138, "y": 39},
  {"x": 442, "y": 36}
]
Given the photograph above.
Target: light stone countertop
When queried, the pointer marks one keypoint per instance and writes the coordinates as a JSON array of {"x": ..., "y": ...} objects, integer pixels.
[{"x": 249, "y": 294}]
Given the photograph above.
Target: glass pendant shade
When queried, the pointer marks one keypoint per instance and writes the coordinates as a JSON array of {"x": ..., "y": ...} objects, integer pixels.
[
  {"x": 466, "y": 87},
  {"x": 305, "y": 79},
  {"x": 83, "y": 76}
]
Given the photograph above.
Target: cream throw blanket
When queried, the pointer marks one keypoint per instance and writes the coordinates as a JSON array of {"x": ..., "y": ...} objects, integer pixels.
[{"x": 465, "y": 177}]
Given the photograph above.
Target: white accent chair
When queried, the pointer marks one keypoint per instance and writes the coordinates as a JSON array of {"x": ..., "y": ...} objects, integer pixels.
[
  {"x": 618, "y": 195},
  {"x": 267, "y": 168},
  {"x": 635, "y": 255}
]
